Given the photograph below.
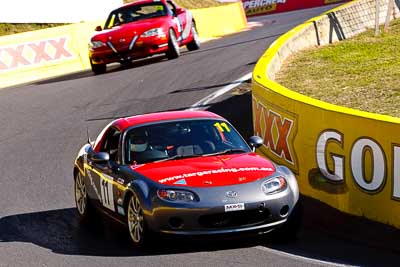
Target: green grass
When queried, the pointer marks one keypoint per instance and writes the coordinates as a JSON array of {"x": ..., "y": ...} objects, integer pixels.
[
  {"x": 361, "y": 73},
  {"x": 12, "y": 28}
]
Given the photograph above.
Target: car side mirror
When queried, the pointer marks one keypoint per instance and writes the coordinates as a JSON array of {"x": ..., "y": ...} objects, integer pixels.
[
  {"x": 179, "y": 11},
  {"x": 98, "y": 29},
  {"x": 255, "y": 142},
  {"x": 101, "y": 157}
]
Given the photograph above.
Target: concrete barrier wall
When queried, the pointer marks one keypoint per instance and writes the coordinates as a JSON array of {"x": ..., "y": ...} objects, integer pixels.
[
  {"x": 261, "y": 7},
  {"x": 50, "y": 11},
  {"x": 42, "y": 54},
  {"x": 346, "y": 158},
  {"x": 36, "y": 55},
  {"x": 219, "y": 21}
]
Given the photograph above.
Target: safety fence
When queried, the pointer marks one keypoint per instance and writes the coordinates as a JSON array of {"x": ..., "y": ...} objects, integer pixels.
[
  {"x": 52, "y": 52},
  {"x": 343, "y": 157}
]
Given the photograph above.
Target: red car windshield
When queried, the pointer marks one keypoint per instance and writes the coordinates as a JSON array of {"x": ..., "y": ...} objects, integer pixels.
[
  {"x": 182, "y": 139},
  {"x": 133, "y": 13}
]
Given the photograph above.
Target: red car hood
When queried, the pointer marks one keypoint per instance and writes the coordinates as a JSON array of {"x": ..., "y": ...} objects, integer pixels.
[
  {"x": 129, "y": 29},
  {"x": 208, "y": 171}
]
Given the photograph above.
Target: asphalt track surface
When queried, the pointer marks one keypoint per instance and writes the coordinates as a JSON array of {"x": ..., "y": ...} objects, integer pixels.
[{"x": 44, "y": 124}]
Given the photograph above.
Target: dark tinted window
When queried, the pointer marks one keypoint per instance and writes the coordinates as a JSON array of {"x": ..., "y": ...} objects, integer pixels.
[
  {"x": 110, "y": 143},
  {"x": 181, "y": 139},
  {"x": 135, "y": 13}
]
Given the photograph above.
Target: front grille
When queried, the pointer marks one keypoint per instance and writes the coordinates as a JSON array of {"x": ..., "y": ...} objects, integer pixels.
[{"x": 243, "y": 218}]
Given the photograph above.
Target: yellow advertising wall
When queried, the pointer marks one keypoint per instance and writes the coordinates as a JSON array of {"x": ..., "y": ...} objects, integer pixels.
[
  {"x": 219, "y": 21},
  {"x": 346, "y": 158},
  {"x": 52, "y": 52},
  {"x": 36, "y": 55}
]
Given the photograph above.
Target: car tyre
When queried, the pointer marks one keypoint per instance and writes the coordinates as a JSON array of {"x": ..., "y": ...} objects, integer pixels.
[
  {"x": 290, "y": 230},
  {"x": 195, "y": 43},
  {"x": 173, "y": 46},
  {"x": 84, "y": 207},
  {"x": 139, "y": 234},
  {"x": 98, "y": 68}
]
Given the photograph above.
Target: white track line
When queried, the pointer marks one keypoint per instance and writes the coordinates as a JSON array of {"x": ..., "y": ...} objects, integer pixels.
[
  {"x": 206, "y": 100},
  {"x": 301, "y": 258}
]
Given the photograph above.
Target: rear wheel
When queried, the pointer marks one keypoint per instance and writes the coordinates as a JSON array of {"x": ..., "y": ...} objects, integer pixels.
[
  {"x": 98, "y": 68},
  {"x": 83, "y": 205},
  {"x": 195, "y": 44},
  {"x": 136, "y": 223},
  {"x": 173, "y": 46}
]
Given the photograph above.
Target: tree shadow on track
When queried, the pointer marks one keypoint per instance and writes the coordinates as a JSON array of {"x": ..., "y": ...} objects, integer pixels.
[{"x": 110, "y": 69}]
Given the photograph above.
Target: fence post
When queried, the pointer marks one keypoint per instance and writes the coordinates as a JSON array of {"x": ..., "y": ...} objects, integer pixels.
[
  {"x": 377, "y": 17},
  {"x": 389, "y": 13}
]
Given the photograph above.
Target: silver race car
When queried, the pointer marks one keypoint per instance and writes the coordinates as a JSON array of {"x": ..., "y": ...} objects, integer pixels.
[{"x": 184, "y": 173}]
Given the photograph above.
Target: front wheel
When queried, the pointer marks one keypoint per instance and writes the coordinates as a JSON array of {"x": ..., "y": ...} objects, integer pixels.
[
  {"x": 83, "y": 205},
  {"x": 173, "y": 46},
  {"x": 136, "y": 223},
  {"x": 195, "y": 43},
  {"x": 98, "y": 68}
]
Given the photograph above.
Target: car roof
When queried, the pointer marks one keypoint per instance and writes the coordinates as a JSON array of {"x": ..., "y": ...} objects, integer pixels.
[
  {"x": 124, "y": 123},
  {"x": 139, "y": 2}
]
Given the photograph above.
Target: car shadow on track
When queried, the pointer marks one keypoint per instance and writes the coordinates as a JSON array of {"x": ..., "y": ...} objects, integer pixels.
[{"x": 60, "y": 231}]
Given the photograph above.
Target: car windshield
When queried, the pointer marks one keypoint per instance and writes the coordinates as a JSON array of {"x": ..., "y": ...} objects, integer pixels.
[
  {"x": 135, "y": 13},
  {"x": 182, "y": 139}
]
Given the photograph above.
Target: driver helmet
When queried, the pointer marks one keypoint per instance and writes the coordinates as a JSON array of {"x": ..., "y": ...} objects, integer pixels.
[{"x": 139, "y": 143}]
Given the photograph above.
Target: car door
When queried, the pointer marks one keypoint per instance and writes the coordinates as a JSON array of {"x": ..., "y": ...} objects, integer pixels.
[{"x": 103, "y": 176}]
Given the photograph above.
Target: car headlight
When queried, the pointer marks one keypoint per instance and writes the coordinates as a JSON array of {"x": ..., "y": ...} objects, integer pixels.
[
  {"x": 274, "y": 185},
  {"x": 154, "y": 32},
  {"x": 96, "y": 44},
  {"x": 176, "y": 195}
]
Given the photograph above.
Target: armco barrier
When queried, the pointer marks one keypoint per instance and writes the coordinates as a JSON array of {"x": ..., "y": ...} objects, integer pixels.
[
  {"x": 41, "y": 54},
  {"x": 346, "y": 158}
]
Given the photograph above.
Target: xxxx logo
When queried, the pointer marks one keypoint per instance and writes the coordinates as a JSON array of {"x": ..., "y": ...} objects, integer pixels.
[
  {"x": 278, "y": 128},
  {"x": 34, "y": 53}
]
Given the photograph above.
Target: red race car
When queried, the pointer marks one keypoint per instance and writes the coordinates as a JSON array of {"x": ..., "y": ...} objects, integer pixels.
[{"x": 141, "y": 29}]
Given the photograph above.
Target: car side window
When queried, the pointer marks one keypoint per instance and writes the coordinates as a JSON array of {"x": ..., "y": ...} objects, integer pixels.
[
  {"x": 171, "y": 7},
  {"x": 111, "y": 143}
]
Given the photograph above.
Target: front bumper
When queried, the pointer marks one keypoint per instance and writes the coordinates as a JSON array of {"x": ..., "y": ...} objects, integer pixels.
[
  {"x": 134, "y": 49},
  {"x": 261, "y": 213}
]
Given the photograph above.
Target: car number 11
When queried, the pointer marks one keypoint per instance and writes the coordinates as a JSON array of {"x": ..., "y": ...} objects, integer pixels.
[{"x": 107, "y": 196}]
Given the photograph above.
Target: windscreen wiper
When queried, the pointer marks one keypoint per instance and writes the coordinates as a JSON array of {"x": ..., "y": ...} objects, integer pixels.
[
  {"x": 226, "y": 151},
  {"x": 178, "y": 156}
]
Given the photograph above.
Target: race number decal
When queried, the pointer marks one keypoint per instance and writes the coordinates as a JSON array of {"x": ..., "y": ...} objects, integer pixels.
[
  {"x": 107, "y": 196},
  {"x": 222, "y": 126},
  {"x": 178, "y": 24}
]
